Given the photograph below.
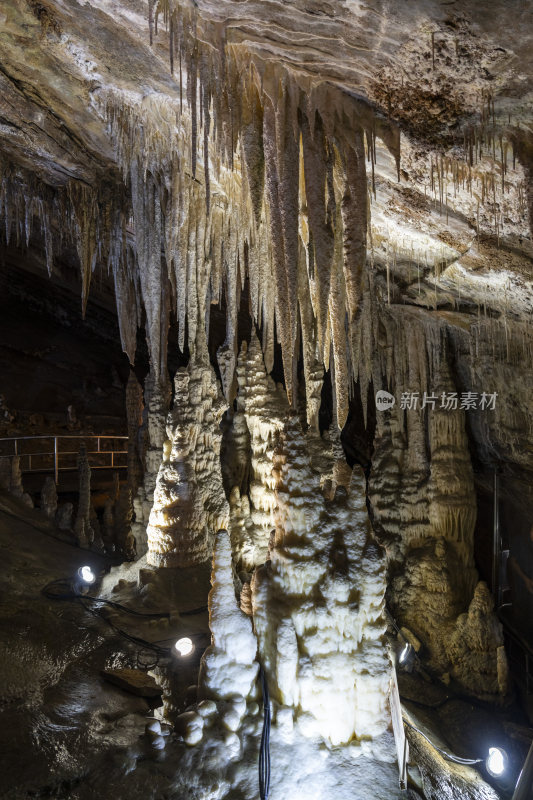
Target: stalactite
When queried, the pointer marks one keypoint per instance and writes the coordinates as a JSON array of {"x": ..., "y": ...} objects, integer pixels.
[
  {"x": 272, "y": 181},
  {"x": 354, "y": 217},
  {"x": 321, "y": 235},
  {"x": 252, "y": 142}
]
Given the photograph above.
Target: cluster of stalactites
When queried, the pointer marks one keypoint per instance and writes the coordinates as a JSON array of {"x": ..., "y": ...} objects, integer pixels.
[
  {"x": 92, "y": 218},
  {"x": 249, "y": 177}
]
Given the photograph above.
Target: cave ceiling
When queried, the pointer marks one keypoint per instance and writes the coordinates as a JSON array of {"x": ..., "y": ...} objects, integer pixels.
[{"x": 442, "y": 90}]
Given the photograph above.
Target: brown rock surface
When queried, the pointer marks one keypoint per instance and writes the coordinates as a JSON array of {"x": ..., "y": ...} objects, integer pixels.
[{"x": 133, "y": 680}]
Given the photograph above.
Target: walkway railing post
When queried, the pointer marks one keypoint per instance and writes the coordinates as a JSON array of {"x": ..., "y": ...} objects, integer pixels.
[
  {"x": 56, "y": 464},
  {"x": 15, "y": 441},
  {"x": 496, "y": 543},
  {"x": 525, "y": 779}
]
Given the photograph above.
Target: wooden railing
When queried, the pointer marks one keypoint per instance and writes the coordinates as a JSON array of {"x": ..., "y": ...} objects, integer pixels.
[{"x": 49, "y": 453}]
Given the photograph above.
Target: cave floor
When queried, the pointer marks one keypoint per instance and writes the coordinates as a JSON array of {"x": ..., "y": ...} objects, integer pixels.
[
  {"x": 66, "y": 733},
  {"x": 62, "y": 726},
  {"x": 58, "y": 717}
]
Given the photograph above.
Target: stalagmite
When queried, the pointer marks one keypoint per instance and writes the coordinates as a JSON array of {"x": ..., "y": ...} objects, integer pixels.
[
  {"x": 124, "y": 540},
  {"x": 476, "y": 649},
  {"x": 189, "y": 501},
  {"x": 318, "y": 652},
  {"x": 109, "y": 525},
  {"x": 228, "y": 669},
  {"x": 134, "y": 417},
  {"x": 49, "y": 497},
  {"x": 64, "y": 516},
  {"x": 82, "y": 525},
  {"x": 15, "y": 486},
  {"x": 5, "y": 474},
  {"x": 154, "y": 416},
  {"x": 263, "y": 406},
  {"x": 429, "y": 531}
]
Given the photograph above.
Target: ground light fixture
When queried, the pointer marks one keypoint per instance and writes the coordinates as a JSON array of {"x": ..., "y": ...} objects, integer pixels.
[
  {"x": 86, "y": 575},
  {"x": 496, "y": 762},
  {"x": 184, "y": 646},
  {"x": 406, "y": 656}
]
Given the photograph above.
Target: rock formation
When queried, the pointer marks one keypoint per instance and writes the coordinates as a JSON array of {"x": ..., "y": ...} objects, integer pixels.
[
  {"x": 189, "y": 501},
  {"x": 229, "y": 668},
  {"x": 318, "y": 604},
  {"x": 49, "y": 497},
  {"x": 82, "y": 526},
  {"x": 156, "y": 406}
]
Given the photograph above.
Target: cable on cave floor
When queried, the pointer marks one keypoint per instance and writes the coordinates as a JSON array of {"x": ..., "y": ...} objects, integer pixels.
[
  {"x": 444, "y": 754},
  {"x": 62, "y": 589},
  {"x": 264, "y": 752}
]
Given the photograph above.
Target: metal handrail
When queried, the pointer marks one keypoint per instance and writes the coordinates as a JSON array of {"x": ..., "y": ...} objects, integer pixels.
[{"x": 56, "y": 452}]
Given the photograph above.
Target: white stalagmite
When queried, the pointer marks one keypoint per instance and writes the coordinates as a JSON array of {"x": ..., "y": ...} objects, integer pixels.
[
  {"x": 228, "y": 668},
  {"x": 263, "y": 406},
  {"x": 189, "y": 500},
  {"x": 318, "y": 607},
  {"x": 155, "y": 412}
]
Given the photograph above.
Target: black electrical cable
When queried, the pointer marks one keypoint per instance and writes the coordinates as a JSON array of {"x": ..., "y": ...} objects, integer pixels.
[
  {"x": 264, "y": 752},
  {"x": 131, "y": 611},
  {"x": 448, "y": 756},
  {"x": 65, "y": 590},
  {"x": 68, "y": 591},
  {"x": 192, "y": 611},
  {"x": 160, "y": 651}
]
